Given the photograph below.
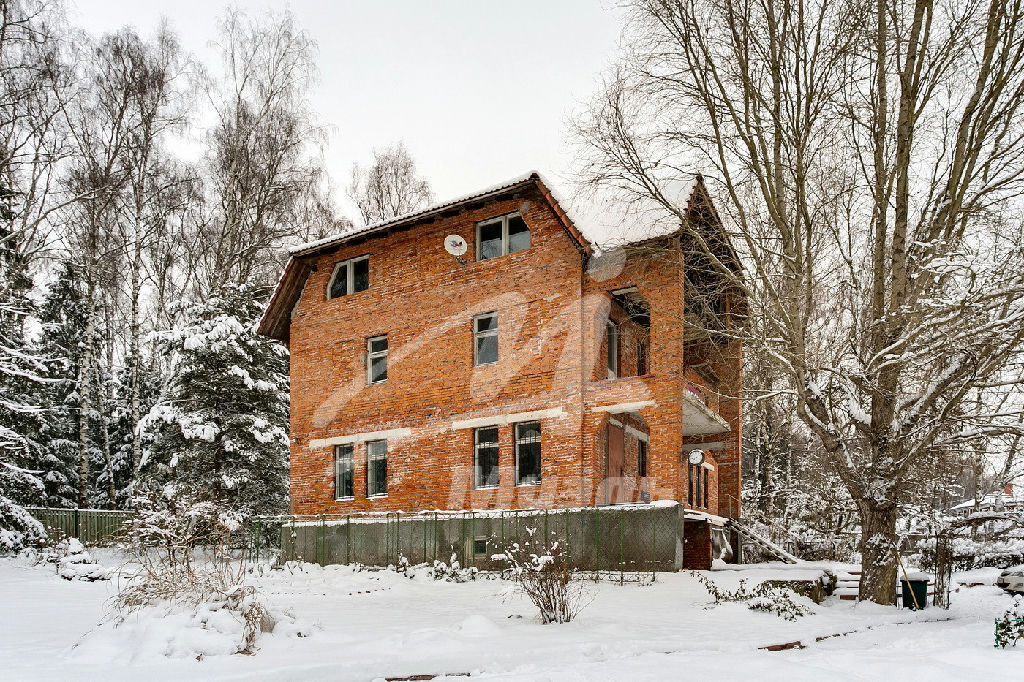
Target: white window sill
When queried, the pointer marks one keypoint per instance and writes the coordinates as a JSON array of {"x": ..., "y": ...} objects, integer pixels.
[
  {"x": 344, "y": 499},
  {"x": 485, "y": 364},
  {"x": 527, "y": 485},
  {"x": 376, "y": 497},
  {"x": 486, "y": 487}
]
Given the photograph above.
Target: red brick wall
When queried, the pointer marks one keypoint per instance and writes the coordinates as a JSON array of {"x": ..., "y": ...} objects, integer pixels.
[
  {"x": 551, "y": 336},
  {"x": 424, "y": 301}
]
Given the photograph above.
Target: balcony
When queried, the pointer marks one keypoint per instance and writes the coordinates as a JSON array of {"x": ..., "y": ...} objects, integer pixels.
[{"x": 700, "y": 413}]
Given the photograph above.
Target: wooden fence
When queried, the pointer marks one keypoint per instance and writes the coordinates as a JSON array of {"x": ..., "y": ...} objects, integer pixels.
[{"x": 90, "y": 526}]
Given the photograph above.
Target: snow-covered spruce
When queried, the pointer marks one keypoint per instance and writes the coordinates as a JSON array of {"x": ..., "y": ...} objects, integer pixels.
[{"x": 219, "y": 431}]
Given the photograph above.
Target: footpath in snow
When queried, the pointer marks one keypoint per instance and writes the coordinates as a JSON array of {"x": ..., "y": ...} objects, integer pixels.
[{"x": 366, "y": 625}]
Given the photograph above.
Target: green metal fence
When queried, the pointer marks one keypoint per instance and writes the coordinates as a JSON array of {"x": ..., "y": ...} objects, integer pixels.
[
  {"x": 618, "y": 539},
  {"x": 90, "y": 526}
]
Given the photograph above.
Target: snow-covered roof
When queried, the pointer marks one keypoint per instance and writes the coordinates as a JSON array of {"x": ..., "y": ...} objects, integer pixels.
[
  {"x": 1014, "y": 497},
  {"x": 416, "y": 216},
  {"x": 276, "y": 317}
]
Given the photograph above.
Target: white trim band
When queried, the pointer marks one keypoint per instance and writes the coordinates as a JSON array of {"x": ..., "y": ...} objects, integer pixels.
[
  {"x": 502, "y": 419},
  {"x": 388, "y": 434},
  {"x": 619, "y": 408}
]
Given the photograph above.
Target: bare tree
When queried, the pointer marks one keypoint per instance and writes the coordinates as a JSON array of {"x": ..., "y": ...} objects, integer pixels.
[
  {"x": 262, "y": 166},
  {"x": 159, "y": 90},
  {"x": 868, "y": 157},
  {"x": 389, "y": 187},
  {"x": 34, "y": 83}
]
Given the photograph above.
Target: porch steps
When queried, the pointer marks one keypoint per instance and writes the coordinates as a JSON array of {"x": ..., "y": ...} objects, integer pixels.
[
  {"x": 768, "y": 546},
  {"x": 848, "y": 585}
]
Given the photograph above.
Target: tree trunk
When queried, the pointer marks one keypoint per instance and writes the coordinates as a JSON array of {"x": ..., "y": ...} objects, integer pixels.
[
  {"x": 85, "y": 386},
  {"x": 134, "y": 387},
  {"x": 878, "y": 543},
  {"x": 108, "y": 456},
  {"x": 943, "y": 570}
]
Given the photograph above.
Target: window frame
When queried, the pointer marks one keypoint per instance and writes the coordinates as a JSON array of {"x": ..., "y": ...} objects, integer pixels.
[
  {"x": 643, "y": 359},
  {"x": 477, "y": 444},
  {"x": 350, "y": 276},
  {"x": 697, "y": 494},
  {"x": 503, "y": 219},
  {"x": 611, "y": 332},
  {"x": 705, "y": 488},
  {"x": 371, "y": 355},
  {"x": 351, "y": 457},
  {"x": 528, "y": 441},
  {"x": 370, "y": 459},
  {"x": 477, "y": 335}
]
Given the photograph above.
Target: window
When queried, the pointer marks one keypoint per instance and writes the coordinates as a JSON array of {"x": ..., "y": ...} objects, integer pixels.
[
  {"x": 486, "y": 464},
  {"x": 377, "y": 359},
  {"x": 480, "y": 546},
  {"x": 705, "y": 488},
  {"x": 343, "y": 469},
  {"x": 695, "y": 497},
  {"x": 376, "y": 468},
  {"x": 528, "y": 453},
  {"x": 641, "y": 458},
  {"x": 501, "y": 236},
  {"x": 612, "y": 332},
  {"x": 641, "y": 358},
  {"x": 485, "y": 339},
  {"x": 349, "y": 276}
]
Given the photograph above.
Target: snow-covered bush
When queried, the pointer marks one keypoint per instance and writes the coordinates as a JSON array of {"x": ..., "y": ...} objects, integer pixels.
[
  {"x": 1010, "y": 627},
  {"x": 761, "y": 597},
  {"x": 185, "y": 564},
  {"x": 545, "y": 573},
  {"x": 452, "y": 572},
  {"x": 75, "y": 563}
]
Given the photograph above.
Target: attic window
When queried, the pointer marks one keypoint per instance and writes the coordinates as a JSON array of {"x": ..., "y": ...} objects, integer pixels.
[
  {"x": 349, "y": 276},
  {"x": 501, "y": 236}
]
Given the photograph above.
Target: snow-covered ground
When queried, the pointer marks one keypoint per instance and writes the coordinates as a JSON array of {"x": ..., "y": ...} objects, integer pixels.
[{"x": 376, "y": 624}]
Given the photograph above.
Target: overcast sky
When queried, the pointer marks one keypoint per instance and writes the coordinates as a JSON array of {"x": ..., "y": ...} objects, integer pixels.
[{"x": 479, "y": 90}]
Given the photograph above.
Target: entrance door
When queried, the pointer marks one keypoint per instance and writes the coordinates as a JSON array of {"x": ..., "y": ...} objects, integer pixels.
[{"x": 614, "y": 489}]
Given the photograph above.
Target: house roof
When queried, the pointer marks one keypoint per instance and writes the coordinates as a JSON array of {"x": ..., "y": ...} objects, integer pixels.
[
  {"x": 302, "y": 262},
  {"x": 517, "y": 183},
  {"x": 1012, "y": 497},
  {"x": 277, "y": 316}
]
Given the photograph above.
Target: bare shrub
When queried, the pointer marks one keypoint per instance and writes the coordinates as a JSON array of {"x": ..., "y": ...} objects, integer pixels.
[
  {"x": 762, "y": 597},
  {"x": 181, "y": 553},
  {"x": 545, "y": 573}
]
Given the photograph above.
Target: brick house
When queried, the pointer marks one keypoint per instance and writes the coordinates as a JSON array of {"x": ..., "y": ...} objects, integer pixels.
[{"x": 531, "y": 371}]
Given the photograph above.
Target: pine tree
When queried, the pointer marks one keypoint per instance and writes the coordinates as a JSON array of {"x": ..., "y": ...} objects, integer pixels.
[
  {"x": 219, "y": 431},
  {"x": 21, "y": 375},
  {"x": 62, "y": 316}
]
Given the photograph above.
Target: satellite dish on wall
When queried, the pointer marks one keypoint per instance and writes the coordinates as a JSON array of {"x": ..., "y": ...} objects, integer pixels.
[
  {"x": 696, "y": 457},
  {"x": 455, "y": 245}
]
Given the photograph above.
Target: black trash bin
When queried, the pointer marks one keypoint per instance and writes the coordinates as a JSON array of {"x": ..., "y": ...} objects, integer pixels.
[{"x": 919, "y": 585}]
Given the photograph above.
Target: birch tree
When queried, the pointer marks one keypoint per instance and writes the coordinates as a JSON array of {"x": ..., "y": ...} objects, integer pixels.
[
  {"x": 262, "y": 165},
  {"x": 867, "y": 159},
  {"x": 389, "y": 187}
]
